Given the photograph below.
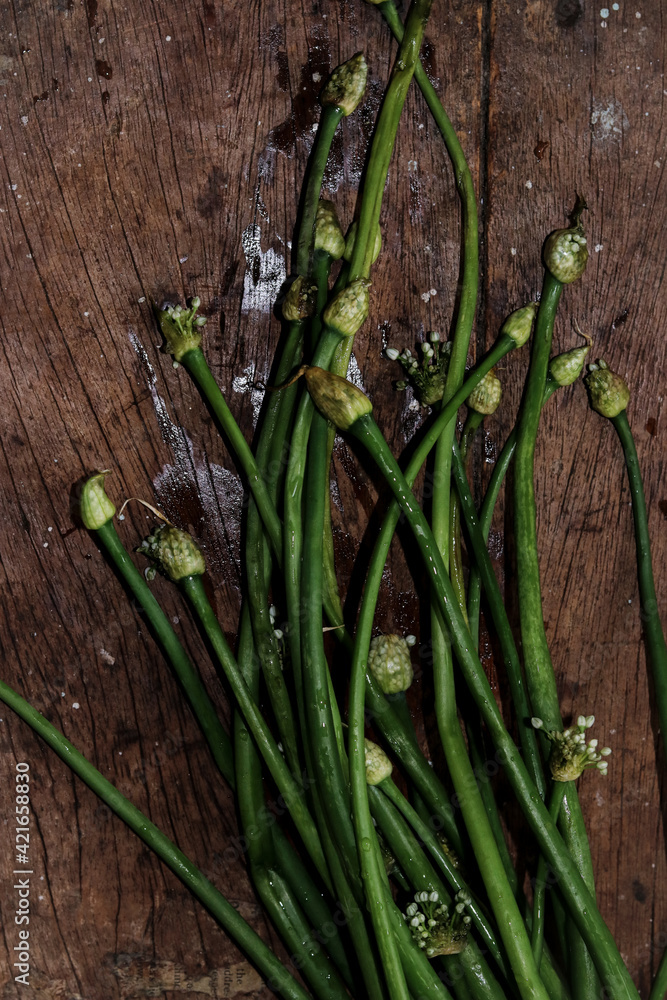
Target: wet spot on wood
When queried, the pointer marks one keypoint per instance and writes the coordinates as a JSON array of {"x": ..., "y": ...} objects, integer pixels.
[
  {"x": 210, "y": 199},
  {"x": 44, "y": 96},
  {"x": 103, "y": 69},
  {"x": 620, "y": 319},
  {"x": 540, "y": 149},
  {"x": 105, "y": 97},
  {"x": 209, "y": 14},
  {"x": 639, "y": 891},
  {"x": 283, "y": 71},
  {"x": 568, "y": 12},
  {"x": 651, "y": 426},
  {"x": 662, "y": 507},
  {"x": 91, "y": 12}
]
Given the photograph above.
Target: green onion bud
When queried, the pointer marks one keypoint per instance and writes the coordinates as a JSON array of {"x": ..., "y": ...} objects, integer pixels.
[
  {"x": 566, "y": 368},
  {"x": 299, "y": 302},
  {"x": 390, "y": 664},
  {"x": 519, "y": 324},
  {"x": 570, "y": 754},
  {"x": 349, "y": 309},
  {"x": 94, "y": 505},
  {"x": 565, "y": 251},
  {"x": 351, "y": 237},
  {"x": 609, "y": 393},
  {"x": 176, "y": 553},
  {"x": 346, "y": 85},
  {"x": 485, "y": 398},
  {"x": 435, "y": 929},
  {"x": 328, "y": 234},
  {"x": 337, "y": 399},
  {"x": 378, "y": 765},
  {"x": 181, "y": 328}
]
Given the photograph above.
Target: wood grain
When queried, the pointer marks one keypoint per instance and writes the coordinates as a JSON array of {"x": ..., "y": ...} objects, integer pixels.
[{"x": 153, "y": 151}]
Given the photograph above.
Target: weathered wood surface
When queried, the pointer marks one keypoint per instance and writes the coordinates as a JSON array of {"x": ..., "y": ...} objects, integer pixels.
[{"x": 154, "y": 150}]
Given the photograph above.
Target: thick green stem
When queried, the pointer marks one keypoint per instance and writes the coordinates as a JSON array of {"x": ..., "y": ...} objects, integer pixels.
[
  {"x": 277, "y": 976},
  {"x": 540, "y": 884}
]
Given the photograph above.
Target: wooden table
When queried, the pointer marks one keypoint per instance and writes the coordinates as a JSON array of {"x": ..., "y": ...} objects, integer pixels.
[{"x": 152, "y": 151}]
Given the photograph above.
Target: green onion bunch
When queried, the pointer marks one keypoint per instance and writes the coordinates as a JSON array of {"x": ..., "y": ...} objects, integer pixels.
[{"x": 341, "y": 811}]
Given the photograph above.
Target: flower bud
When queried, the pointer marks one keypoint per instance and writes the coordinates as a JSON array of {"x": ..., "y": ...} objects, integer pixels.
[
  {"x": 485, "y": 397},
  {"x": 390, "y": 664},
  {"x": 346, "y": 85},
  {"x": 351, "y": 237},
  {"x": 378, "y": 765},
  {"x": 299, "y": 302},
  {"x": 349, "y": 309},
  {"x": 94, "y": 505},
  {"x": 519, "y": 324},
  {"x": 337, "y": 399},
  {"x": 181, "y": 328},
  {"x": 566, "y": 368},
  {"x": 328, "y": 234},
  {"x": 565, "y": 251},
  {"x": 608, "y": 392},
  {"x": 570, "y": 754},
  {"x": 174, "y": 551}
]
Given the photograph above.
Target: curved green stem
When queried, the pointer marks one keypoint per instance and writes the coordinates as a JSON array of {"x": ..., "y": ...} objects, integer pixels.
[
  {"x": 655, "y": 637},
  {"x": 274, "y": 971},
  {"x": 197, "y": 366}
]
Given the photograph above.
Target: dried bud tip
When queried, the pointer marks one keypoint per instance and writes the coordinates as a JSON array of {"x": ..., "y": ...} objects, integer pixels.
[{"x": 299, "y": 302}]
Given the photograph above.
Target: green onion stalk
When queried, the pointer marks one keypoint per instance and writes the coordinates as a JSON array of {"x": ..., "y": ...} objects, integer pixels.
[
  {"x": 565, "y": 255},
  {"x": 581, "y": 903},
  {"x": 223, "y": 912}
]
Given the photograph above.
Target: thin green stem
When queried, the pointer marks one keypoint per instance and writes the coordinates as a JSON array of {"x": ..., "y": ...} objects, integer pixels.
[
  {"x": 384, "y": 138},
  {"x": 271, "y": 968},
  {"x": 202, "y": 706},
  {"x": 659, "y": 986},
  {"x": 329, "y": 121},
  {"x": 292, "y": 793},
  {"x": 540, "y": 884},
  {"x": 652, "y": 626}
]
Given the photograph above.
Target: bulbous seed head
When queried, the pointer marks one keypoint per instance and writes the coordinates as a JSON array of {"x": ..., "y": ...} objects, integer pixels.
[
  {"x": 565, "y": 251},
  {"x": 337, "y": 399},
  {"x": 94, "y": 505},
  {"x": 328, "y": 233},
  {"x": 485, "y": 397},
  {"x": 567, "y": 367},
  {"x": 349, "y": 309},
  {"x": 609, "y": 393},
  {"x": 389, "y": 662},
  {"x": 174, "y": 551},
  {"x": 378, "y": 765},
  {"x": 299, "y": 302},
  {"x": 181, "y": 328},
  {"x": 519, "y": 324},
  {"x": 346, "y": 85}
]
